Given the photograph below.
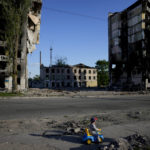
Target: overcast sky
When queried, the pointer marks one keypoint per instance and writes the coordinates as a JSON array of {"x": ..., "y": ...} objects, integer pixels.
[{"x": 76, "y": 29}]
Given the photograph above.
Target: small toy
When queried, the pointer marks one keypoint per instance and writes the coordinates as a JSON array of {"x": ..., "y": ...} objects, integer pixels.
[{"x": 88, "y": 138}]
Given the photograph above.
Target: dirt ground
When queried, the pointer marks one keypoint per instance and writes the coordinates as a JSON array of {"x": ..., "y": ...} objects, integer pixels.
[
  {"x": 90, "y": 92},
  {"x": 28, "y": 134},
  {"x": 65, "y": 133}
]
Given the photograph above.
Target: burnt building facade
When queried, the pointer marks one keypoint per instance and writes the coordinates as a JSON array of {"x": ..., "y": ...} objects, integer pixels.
[
  {"x": 129, "y": 46},
  {"x": 28, "y": 40}
]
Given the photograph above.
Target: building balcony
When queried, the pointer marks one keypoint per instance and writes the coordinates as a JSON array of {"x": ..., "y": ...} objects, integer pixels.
[
  {"x": 2, "y": 43},
  {"x": 3, "y": 58},
  {"x": 3, "y": 70}
]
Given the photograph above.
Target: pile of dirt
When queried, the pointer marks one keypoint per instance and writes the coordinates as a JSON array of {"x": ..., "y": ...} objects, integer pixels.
[
  {"x": 45, "y": 92},
  {"x": 72, "y": 127},
  {"x": 96, "y": 92},
  {"x": 132, "y": 142}
]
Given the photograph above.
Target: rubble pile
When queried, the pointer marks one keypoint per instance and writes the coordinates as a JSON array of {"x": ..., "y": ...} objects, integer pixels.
[
  {"x": 138, "y": 141},
  {"x": 36, "y": 92},
  {"x": 132, "y": 142},
  {"x": 72, "y": 127}
]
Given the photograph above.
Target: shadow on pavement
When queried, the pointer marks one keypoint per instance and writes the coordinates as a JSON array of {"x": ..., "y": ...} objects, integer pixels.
[{"x": 59, "y": 135}]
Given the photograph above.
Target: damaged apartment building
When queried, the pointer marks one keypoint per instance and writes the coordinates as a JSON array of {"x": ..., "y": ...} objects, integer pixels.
[
  {"x": 129, "y": 47},
  {"x": 29, "y": 39},
  {"x": 67, "y": 76}
]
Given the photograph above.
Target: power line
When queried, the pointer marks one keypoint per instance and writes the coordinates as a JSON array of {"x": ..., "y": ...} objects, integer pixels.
[{"x": 73, "y": 13}]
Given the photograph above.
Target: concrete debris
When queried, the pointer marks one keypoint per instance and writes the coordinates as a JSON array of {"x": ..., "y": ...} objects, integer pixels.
[
  {"x": 138, "y": 141},
  {"x": 34, "y": 19},
  {"x": 75, "y": 93},
  {"x": 131, "y": 142},
  {"x": 72, "y": 127},
  {"x": 134, "y": 115},
  {"x": 120, "y": 144},
  {"x": 77, "y": 130}
]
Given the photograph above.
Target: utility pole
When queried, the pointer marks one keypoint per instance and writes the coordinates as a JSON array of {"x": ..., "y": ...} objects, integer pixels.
[
  {"x": 51, "y": 56},
  {"x": 40, "y": 59}
]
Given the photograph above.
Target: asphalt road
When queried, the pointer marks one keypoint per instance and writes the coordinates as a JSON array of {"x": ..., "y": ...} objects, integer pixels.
[{"x": 57, "y": 107}]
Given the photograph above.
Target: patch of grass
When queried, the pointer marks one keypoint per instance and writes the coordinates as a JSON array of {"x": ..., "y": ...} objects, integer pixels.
[
  {"x": 65, "y": 116},
  {"x": 10, "y": 94}
]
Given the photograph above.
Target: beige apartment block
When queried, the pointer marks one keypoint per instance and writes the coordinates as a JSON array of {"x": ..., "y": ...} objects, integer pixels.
[{"x": 74, "y": 76}]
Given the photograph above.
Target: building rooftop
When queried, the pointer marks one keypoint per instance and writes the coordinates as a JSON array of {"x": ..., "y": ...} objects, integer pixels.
[{"x": 80, "y": 65}]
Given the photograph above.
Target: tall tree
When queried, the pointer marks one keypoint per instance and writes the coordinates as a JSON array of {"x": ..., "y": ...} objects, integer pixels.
[
  {"x": 36, "y": 78},
  {"x": 15, "y": 14},
  {"x": 102, "y": 76},
  {"x": 61, "y": 61}
]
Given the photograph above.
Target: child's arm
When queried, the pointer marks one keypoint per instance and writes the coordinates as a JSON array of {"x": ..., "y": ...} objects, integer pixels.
[{"x": 95, "y": 128}]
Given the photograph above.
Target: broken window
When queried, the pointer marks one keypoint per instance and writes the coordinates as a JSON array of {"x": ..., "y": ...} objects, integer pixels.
[
  {"x": 136, "y": 37},
  {"x": 19, "y": 54},
  {"x": 2, "y": 79},
  {"x": 135, "y": 11},
  {"x": 58, "y": 71},
  {"x": 2, "y": 50},
  {"x": 3, "y": 65},
  {"x": 89, "y": 77},
  {"x": 47, "y": 85},
  {"x": 68, "y": 77},
  {"x": 53, "y": 84},
  {"x": 68, "y": 84},
  {"x": 18, "y": 81},
  {"x": 68, "y": 70},
  {"x": 53, "y": 70},
  {"x": 116, "y": 41},
  {"x": 75, "y": 71},
  {"x": 89, "y": 71},
  {"x": 135, "y": 28},
  {"x": 116, "y": 25},
  {"x": 79, "y": 70},
  {"x": 79, "y": 84},
  {"x": 135, "y": 20},
  {"x": 19, "y": 67},
  {"x": 62, "y": 84},
  {"x": 47, "y": 76},
  {"x": 116, "y": 33},
  {"x": 53, "y": 77},
  {"x": 75, "y": 84},
  {"x": 47, "y": 70},
  {"x": 58, "y": 85}
]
